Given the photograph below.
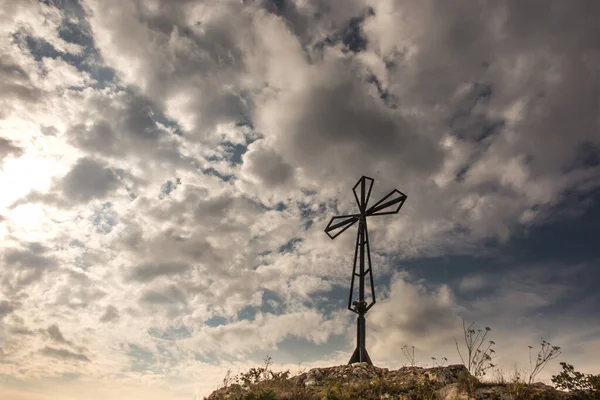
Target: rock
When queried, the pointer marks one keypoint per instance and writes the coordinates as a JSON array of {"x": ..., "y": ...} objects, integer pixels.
[
  {"x": 310, "y": 382},
  {"x": 452, "y": 392}
]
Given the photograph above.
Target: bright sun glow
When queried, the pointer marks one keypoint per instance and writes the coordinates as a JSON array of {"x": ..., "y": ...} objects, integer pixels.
[
  {"x": 21, "y": 175},
  {"x": 27, "y": 216}
]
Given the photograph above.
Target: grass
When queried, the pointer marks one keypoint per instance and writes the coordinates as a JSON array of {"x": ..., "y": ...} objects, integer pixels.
[{"x": 260, "y": 383}]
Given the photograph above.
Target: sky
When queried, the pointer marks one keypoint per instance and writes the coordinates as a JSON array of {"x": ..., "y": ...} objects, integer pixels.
[{"x": 168, "y": 168}]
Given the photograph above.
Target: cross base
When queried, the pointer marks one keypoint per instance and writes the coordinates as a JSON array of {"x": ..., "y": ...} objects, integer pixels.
[{"x": 360, "y": 355}]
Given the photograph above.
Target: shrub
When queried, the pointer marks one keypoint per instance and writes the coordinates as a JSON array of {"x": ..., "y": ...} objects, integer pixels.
[
  {"x": 408, "y": 355},
  {"x": 478, "y": 354},
  {"x": 574, "y": 381},
  {"x": 547, "y": 353}
]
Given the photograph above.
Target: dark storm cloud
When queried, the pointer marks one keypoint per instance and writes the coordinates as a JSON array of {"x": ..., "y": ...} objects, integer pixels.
[
  {"x": 89, "y": 179},
  {"x": 63, "y": 354}
]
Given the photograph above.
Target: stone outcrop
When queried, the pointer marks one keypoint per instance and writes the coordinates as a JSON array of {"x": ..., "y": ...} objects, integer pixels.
[
  {"x": 362, "y": 381},
  {"x": 407, "y": 376}
]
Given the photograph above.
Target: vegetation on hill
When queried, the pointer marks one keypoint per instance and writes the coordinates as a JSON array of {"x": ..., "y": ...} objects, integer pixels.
[{"x": 453, "y": 382}]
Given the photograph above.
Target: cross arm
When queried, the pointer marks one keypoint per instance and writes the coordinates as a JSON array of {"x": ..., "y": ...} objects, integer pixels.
[
  {"x": 363, "y": 193},
  {"x": 390, "y": 204},
  {"x": 339, "y": 224}
]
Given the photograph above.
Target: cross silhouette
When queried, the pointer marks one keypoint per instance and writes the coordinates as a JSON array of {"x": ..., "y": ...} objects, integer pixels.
[{"x": 390, "y": 204}]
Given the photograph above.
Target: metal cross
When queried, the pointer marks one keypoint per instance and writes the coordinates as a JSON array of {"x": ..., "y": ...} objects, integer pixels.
[{"x": 390, "y": 204}]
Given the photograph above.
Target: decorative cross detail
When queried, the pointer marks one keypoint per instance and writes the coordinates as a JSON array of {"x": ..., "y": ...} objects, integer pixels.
[{"x": 390, "y": 204}]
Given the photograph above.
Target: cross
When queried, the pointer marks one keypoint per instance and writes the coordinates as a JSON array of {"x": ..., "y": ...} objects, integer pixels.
[{"x": 390, "y": 204}]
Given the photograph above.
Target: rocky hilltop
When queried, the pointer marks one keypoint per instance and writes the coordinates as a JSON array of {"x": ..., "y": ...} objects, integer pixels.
[{"x": 362, "y": 381}]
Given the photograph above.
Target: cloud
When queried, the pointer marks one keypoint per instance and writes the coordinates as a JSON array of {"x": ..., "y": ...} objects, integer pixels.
[
  {"x": 5, "y": 308},
  {"x": 89, "y": 179},
  {"x": 20, "y": 76},
  {"x": 473, "y": 283},
  {"x": 32, "y": 256},
  {"x": 475, "y": 49},
  {"x": 170, "y": 295},
  {"x": 55, "y": 334},
  {"x": 199, "y": 61},
  {"x": 7, "y": 148},
  {"x": 412, "y": 314},
  {"x": 334, "y": 119},
  {"x": 241, "y": 337},
  {"x": 26, "y": 265},
  {"x": 529, "y": 289},
  {"x": 110, "y": 315},
  {"x": 265, "y": 166},
  {"x": 77, "y": 291},
  {"x": 63, "y": 354},
  {"x": 150, "y": 271},
  {"x": 137, "y": 127},
  {"x": 331, "y": 117},
  {"x": 22, "y": 331},
  {"x": 16, "y": 84}
]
